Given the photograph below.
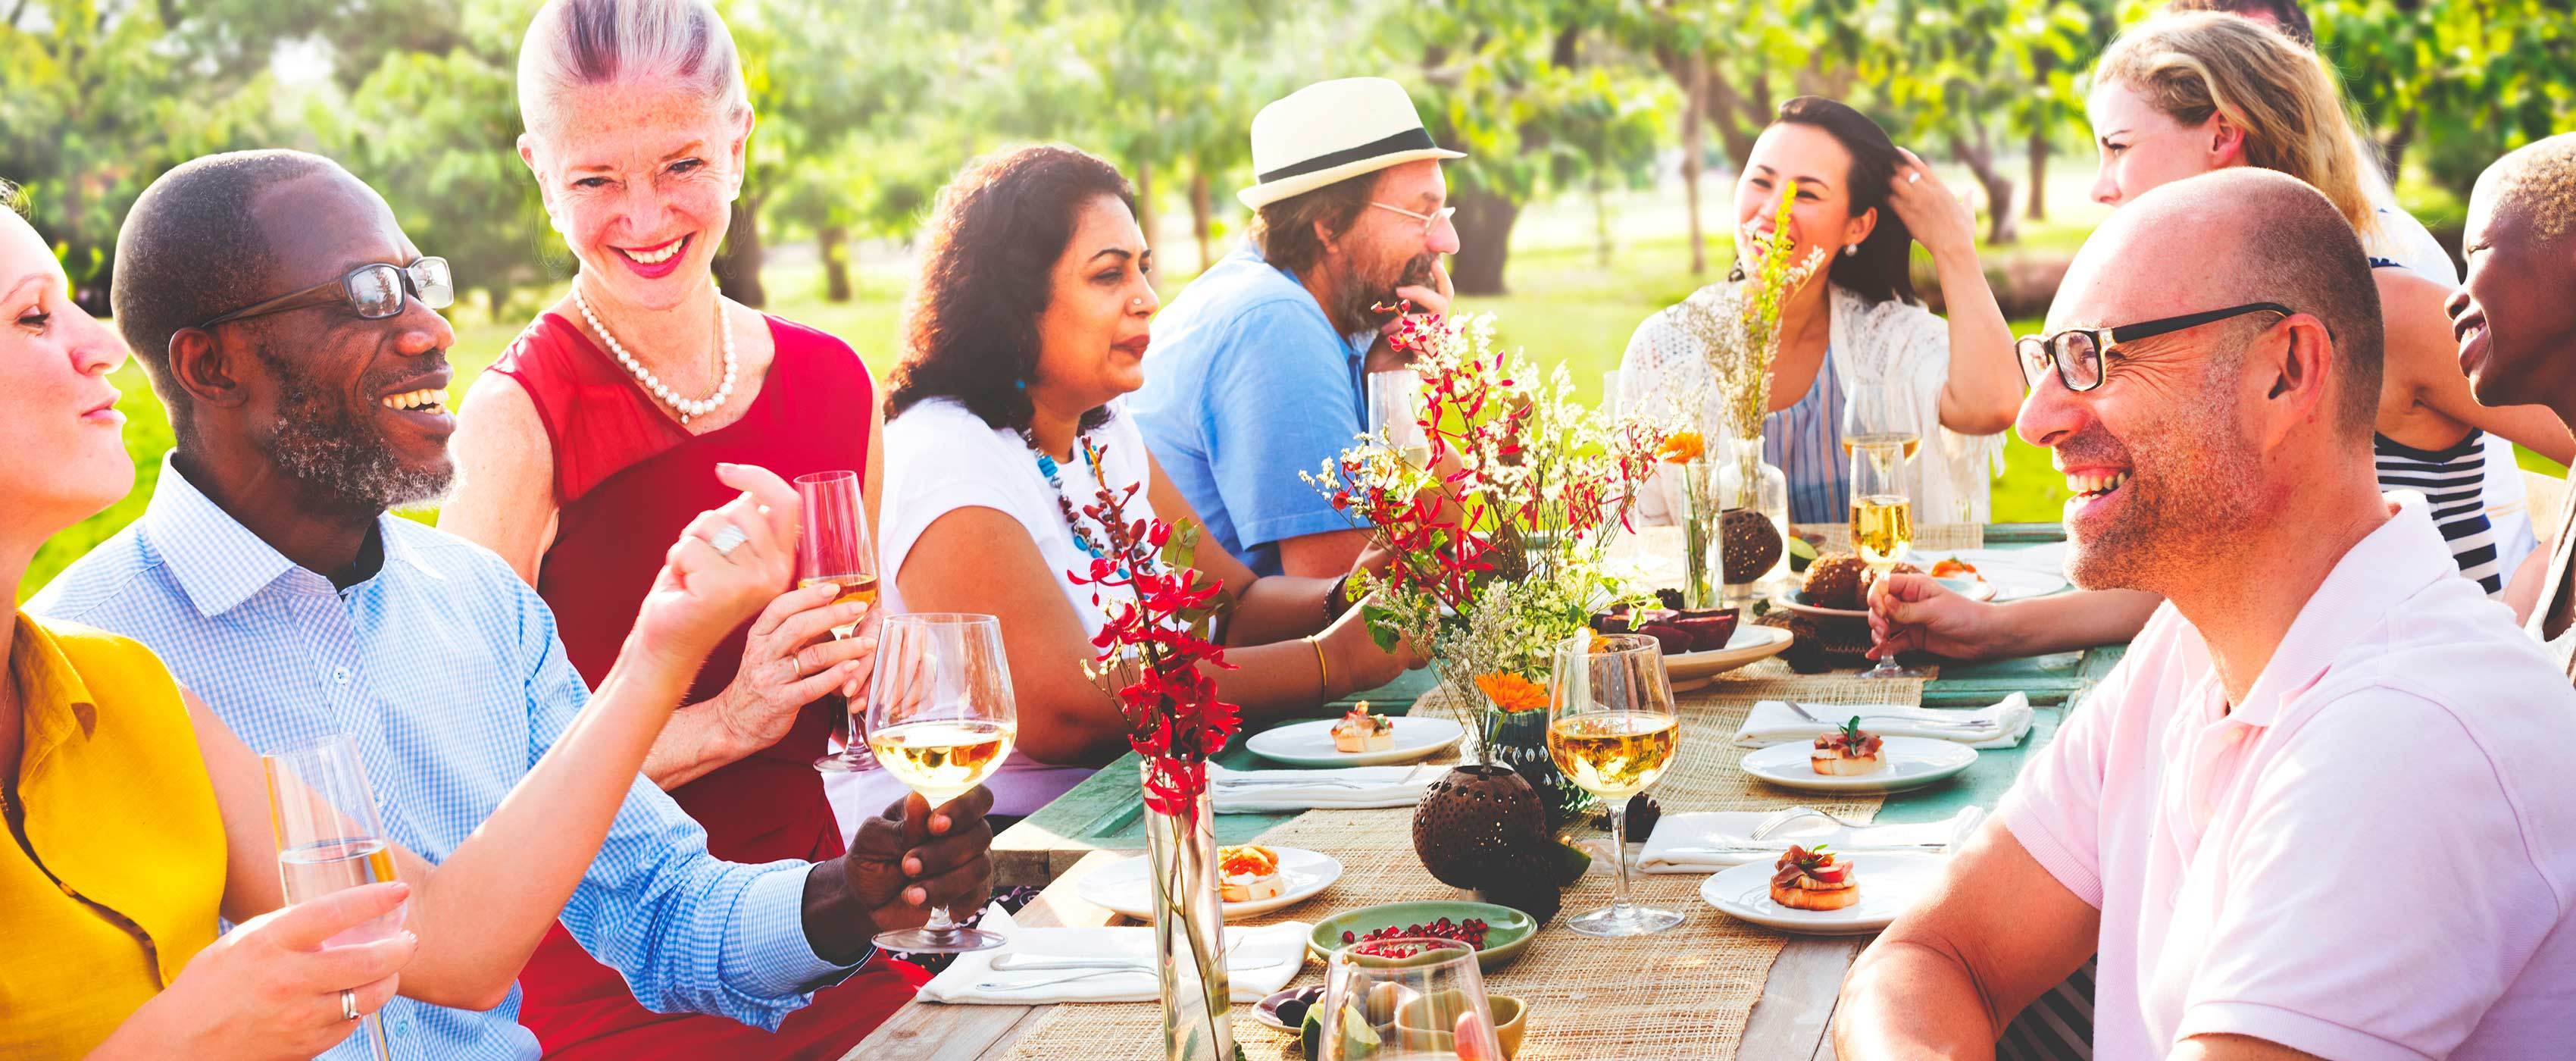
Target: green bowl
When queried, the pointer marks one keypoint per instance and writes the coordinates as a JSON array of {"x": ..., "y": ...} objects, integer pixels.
[{"x": 1507, "y": 931}]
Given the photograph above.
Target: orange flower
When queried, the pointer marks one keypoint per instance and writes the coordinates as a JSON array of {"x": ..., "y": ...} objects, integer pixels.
[
  {"x": 1680, "y": 447},
  {"x": 1511, "y": 692}
]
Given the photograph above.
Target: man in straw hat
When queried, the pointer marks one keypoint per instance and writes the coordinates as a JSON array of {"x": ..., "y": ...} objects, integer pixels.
[{"x": 1258, "y": 370}]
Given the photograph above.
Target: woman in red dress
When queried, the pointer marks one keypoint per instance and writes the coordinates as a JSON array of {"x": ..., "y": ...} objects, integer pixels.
[{"x": 592, "y": 440}]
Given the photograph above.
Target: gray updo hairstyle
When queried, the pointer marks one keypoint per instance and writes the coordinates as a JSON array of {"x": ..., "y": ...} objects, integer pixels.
[{"x": 593, "y": 42}]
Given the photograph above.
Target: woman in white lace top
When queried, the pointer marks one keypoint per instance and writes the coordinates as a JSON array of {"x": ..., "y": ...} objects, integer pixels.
[{"x": 1865, "y": 201}]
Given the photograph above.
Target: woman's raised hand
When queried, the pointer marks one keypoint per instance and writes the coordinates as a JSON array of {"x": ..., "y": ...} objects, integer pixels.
[
  {"x": 1939, "y": 220},
  {"x": 271, "y": 988},
  {"x": 727, "y": 565}
]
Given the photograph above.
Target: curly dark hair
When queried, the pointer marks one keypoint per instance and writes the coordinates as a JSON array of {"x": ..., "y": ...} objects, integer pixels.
[{"x": 971, "y": 329}]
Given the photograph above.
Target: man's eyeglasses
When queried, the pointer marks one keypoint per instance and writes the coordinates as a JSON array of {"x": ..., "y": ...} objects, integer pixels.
[
  {"x": 2077, "y": 352},
  {"x": 1429, "y": 221},
  {"x": 375, "y": 291}
]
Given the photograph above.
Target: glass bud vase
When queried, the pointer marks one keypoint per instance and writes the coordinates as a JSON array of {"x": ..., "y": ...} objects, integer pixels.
[
  {"x": 1702, "y": 505},
  {"x": 1746, "y": 481},
  {"x": 1189, "y": 923}
]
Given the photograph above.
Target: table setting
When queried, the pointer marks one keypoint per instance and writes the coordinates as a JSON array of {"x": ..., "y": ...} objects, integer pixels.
[{"x": 1600, "y": 777}]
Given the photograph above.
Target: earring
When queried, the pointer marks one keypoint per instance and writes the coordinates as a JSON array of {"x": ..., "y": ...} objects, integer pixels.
[{"x": 1851, "y": 250}]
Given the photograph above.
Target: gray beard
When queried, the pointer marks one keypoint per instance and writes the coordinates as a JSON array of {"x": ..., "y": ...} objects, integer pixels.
[{"x": 339, "y": 459}]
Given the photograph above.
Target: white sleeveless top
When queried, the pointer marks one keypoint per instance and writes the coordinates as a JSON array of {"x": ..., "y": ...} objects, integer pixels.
[{"x": 940, "y": 458}]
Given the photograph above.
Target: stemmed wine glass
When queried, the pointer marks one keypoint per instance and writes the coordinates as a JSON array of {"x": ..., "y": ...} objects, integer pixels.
[
  {"x": 329, "y": 839},
  {"x": 1612, "y": 729},
  {"x": 1395, "y": 414},
  {"x": 941, "y": 718},
  {"x": 1406, "y": 1000},
  {"x": 833, "y": 545},
  {"x": 1882, "y": 525}
]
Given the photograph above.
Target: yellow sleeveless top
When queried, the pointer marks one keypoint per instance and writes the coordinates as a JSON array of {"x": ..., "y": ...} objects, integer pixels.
[{"x": 112, "y": 876}]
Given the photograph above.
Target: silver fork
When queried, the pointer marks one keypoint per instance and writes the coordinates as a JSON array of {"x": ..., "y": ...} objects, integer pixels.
[
  {"x": 1780, "y": 819},
  {"x": 1025, "y": 985},
  {"x": 1954, "y": 723}
]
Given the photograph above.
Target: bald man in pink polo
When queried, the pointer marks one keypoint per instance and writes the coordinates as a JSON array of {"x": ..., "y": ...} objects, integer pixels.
[{"x": 2326, "y": 806}]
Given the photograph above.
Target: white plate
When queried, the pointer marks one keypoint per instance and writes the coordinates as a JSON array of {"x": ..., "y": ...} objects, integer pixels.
[
  {"x": 1311, "y": 743},
  {"x": 1123, "y": 886},
  {"x": 1912, "y": 762},
  {"x": 1890, "y": 882},
  {"x": 1750, "y": 644}
]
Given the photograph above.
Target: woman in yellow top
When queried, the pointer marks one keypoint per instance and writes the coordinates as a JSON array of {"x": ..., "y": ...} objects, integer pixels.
[{"x": 135, "y": 818}]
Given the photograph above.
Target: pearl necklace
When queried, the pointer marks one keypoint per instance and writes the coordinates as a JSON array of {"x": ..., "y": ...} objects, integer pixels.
[{"x": 687, "y": 407}]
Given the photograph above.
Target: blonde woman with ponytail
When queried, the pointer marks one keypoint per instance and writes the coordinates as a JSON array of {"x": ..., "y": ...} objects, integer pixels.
[{"x": 2183, "y": 94}]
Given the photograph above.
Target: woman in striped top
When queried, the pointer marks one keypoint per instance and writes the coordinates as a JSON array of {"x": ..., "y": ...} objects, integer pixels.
[{"x": 1864, "y": 201}]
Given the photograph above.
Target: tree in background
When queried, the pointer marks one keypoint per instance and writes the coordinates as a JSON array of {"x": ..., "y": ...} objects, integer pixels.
[
  {"x": 1974, "y": 75},
  {"x": 92, "y": 111}
]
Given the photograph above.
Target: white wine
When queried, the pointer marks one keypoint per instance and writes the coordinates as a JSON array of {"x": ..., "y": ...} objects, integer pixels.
[
  {"x": 1614, "y": 755},
  {"x": 855, "y": 589},
  {"x": 1882, "y": 529},
  {"x": 1884, "y": 440},
  {"x": 318, "y": 869},
  {"x": 1416, "y": 454},
  {"x": 944, "y": 758}
]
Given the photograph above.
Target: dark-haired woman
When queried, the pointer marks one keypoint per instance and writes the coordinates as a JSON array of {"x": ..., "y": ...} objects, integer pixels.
[
  {"x": 1030, "y": 320},
  {"x": 1863, "y": 201}
]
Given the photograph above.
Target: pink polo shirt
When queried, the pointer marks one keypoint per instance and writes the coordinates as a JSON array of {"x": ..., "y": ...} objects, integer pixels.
[{"x": 2374, "y": 856}]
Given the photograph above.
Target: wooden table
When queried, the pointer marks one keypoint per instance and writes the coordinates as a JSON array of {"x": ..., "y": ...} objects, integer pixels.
[{"x": 1099, "y": 822}]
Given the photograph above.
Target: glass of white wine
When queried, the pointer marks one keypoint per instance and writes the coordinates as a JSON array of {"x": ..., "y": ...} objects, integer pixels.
[
  {"x": 1882, "y": 525},
  {"x": 1612, "y": 729},
  {"x": 1411, "y": 999},
  {"x": 329, "y": 839},
  {"x": 1395, "y": 414},
  {"x": 833, "y": 545},
  {"x": 941, "y": 718}
]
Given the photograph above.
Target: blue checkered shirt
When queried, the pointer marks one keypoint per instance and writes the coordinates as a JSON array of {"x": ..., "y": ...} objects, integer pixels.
[{"x": 446, "y": 669}]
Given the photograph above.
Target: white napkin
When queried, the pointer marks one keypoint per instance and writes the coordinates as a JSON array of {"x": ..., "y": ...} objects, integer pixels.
[
  {"x": 1771, "y": 722},
  {"x": 1680, "y": 841},
  {"x": 1259, "y": 961},
  {"x": 1342, "y": 787}
]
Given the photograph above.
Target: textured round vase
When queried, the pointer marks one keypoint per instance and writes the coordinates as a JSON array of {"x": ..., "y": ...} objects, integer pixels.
[{"x": 1474, "y": 822}]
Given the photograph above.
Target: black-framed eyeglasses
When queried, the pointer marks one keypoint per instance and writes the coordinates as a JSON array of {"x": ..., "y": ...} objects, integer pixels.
[
  {"x": 374, "y": 290},
  {"x": 2077, "y": 352}
]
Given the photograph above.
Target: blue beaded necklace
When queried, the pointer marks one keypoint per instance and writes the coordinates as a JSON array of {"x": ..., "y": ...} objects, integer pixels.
[{"x": 1054, "y": 475}]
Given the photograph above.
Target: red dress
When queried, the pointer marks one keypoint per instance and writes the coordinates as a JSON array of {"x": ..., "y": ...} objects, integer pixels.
[{"x": 627, "y": 478}]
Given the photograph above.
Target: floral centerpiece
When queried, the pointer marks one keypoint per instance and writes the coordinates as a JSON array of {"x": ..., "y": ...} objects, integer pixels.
[
  {"x": 1497, "y": 548},
  {"x": 1737, "y": 327},
  {"x": 1155, "y": 661}
]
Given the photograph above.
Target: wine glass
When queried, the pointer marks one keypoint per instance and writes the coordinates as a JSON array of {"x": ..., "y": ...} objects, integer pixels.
[
  {"x": 1395, "y": 414},
  {"x": 329, "y": 839},
  {"x": 1406, "y": 999},
  {"x": 1612, "y": 730},
  {"x": 1880, "y": 412},
  {"x": 832, "y": 545},
  {"x": 941, "y": 718},
  {"x": 1882, "y": 524}
]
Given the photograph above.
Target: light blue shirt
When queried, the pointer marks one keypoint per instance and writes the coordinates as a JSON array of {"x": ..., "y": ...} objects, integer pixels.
[
  {"x": 446, "y": 669},
  {"x": 1246, "y": 385}
]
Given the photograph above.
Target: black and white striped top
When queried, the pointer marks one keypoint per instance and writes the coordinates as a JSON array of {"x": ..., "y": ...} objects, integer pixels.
[{"x": 2454, "y": 482}]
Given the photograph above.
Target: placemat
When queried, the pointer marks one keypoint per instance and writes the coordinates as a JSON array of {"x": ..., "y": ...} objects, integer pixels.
[{"x": 1586, "y": 998}]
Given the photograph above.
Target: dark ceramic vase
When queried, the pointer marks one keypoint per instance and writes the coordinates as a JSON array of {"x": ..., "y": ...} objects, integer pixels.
[
  {"x": 1474, "y": 822},
  {"x": 1520, "y": 742}
]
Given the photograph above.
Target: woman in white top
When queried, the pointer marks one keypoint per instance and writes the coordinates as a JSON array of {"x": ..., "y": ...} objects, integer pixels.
[
  {"x": 1864, "y": 201},
  {"x": 1030, "y": 319}
]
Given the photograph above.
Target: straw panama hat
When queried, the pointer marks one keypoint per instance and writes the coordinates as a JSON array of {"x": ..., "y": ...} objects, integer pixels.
[{"x": 1331, "y": 131}]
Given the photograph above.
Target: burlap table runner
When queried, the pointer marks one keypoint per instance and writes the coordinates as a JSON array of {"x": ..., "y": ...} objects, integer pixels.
[{"x": 1681, "y": 993}]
